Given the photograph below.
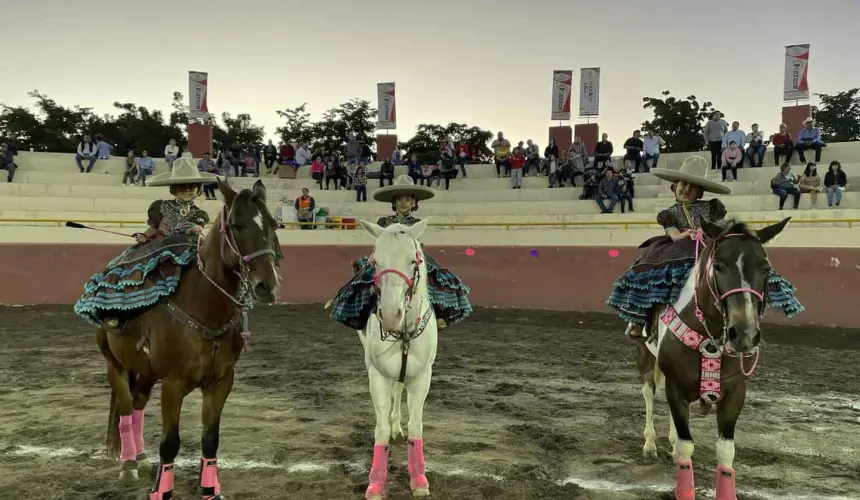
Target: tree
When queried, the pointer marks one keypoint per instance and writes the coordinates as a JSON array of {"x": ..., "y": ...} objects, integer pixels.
[
  {"x": 21, "y": 125},
  {"x": 838, "y": 116},
  {"x": 339, "y": 124},
  {"x": 678, "y": 121},
  {"x": 298, "y": 126},
  {"x": 425, "y": 142},
  {"x": 238, "y": 130}
]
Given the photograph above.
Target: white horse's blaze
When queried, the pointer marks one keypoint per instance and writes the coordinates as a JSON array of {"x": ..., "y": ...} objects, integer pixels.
[
  {"x": 749, "y": 307},
  {"x": 258, "y": 219}
]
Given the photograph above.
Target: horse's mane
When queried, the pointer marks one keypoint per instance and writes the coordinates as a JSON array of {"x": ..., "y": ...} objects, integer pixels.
[{"x": 734, "y": 226}]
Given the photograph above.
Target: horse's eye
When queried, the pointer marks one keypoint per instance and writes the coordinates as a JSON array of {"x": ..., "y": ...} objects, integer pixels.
[{"x": 719, "y": 268}]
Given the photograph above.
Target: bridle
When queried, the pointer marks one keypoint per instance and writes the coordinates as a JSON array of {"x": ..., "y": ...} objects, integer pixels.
[
  {"x": 718, "y": 345},
  {"x": 417, "y": 327}
]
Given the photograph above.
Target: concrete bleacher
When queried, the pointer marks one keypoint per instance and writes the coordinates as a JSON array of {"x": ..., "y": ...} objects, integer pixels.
[{"x": 48, "y": 186}]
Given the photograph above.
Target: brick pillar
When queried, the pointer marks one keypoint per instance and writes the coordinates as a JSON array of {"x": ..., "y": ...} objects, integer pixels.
[
  {"x": 385, "y": 146},
  {"x": 793, "y": 116},
  {"x": 590, "y": 135},
  {"x": 563, "y": 137},
  {"x": 199, "y": 139}
]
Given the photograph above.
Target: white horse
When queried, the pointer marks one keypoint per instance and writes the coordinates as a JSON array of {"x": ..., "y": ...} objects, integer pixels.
[{"x": 399, "y": 349}]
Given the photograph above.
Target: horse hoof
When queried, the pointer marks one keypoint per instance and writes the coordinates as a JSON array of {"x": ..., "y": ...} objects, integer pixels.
[
  {"x": 421, "y": 492},
  {"x": 650, "y": 453},
  {"x": 129, "y": 477},
  {"x": 143, "y": 464},
  {"x": 375, "y": 491}
]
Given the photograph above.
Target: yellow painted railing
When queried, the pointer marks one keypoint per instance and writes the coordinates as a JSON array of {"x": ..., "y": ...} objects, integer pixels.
[{"x": 450, "y": 225}]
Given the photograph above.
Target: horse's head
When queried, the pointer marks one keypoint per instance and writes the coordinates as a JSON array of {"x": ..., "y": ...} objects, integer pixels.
[
  {"x": 249, "y": 246},
  {"x": 399, "y": 270},
  {"x": 736, "y": 273}
]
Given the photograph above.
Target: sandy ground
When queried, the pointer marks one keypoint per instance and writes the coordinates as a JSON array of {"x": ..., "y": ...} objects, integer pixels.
[{"x": 524, "y": 405}]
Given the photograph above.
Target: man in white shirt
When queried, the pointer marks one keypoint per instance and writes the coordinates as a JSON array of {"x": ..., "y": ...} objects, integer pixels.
[
  {"x": 86, "y": 149},
  {"x": 171, "y": 152},
  {"x": 737, "y": 136},
  {"x": 303, "y": 156},
  {"x": 757, "y": 146},
  {"x": 651, "y": 149}
]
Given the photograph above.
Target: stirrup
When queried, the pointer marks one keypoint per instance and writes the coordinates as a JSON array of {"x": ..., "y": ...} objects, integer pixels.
[
  {"x": 634, "y": 331},
  {"x": 441, "y": 324}
]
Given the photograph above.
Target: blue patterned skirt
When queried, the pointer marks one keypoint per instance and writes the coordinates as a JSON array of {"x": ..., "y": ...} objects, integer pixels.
[
  {"x": 355, "y": 302},
  {"x": 658, "y": 277},
  {"x": 137, "y": 279}
]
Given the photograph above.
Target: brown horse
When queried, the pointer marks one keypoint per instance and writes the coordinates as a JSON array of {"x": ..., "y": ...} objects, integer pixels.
[
  {"x": 192, "y": 339},
  {"x": 702, "y": 345}
]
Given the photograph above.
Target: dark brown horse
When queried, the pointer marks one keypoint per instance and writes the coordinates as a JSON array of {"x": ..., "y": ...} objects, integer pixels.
[
  {"x": 706, "y": 344},
  {"x": 192, "y": 339}
]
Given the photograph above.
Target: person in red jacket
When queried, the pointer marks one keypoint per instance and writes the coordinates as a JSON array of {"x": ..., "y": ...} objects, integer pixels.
[
  {"x": 461, "y": 154},
  {"x": 782, "y": 145},
  {"x": 517, "y": 161}
]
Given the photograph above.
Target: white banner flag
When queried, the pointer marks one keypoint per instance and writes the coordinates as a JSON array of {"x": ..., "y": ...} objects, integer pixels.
[
  {"x": 796, "y": 85},
  {"x": 386, "y": 107},
  {"x": 589, "y": 92},
  {"x": 198, "y": 87},
  {"x": 562, "y": 83}
]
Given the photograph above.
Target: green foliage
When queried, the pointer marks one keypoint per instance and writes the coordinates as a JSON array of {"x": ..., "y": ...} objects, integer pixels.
[
  {"x": 678, "y": 121},
  {"x": 335, "y": 128},
  {"x": 838, "y": 116},
  {"x": 425, "y": 143}
]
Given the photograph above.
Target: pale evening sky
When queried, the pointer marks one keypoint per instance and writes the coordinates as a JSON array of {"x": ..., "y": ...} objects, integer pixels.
[{"x": 485, "y": 63}]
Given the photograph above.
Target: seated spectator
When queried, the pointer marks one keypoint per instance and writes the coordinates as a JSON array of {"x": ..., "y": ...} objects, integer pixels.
[
  {"x": 551, "y": 150},
  {"x": 624, "y": 192},
  {"x": 731, "y": 158},
  {"x": 303, "y": 156},
  {"x": 318, "y": 171},
  {"x": 607, "y": 189},
  {"x": 270, "y": 156},
  {"x": 737, "y": 136},
  {"x": 351, "y": 169},
  {"x": 517, "y": 162},
  {"x": 89, "y": 150},
  {"x": 590, "y": 181},
  {"x": 206, "y": 164},
  {"x": 782, "y": 145},
  {"x": 145, "y": 166},
  {"x": 359, "y": 183},
  {"x": 756, "y": 146},
  {"x": 305, "y": 207},
  {"x": 555, "y": 170},
  {"x": 396, "y": 157},
  {"x": 835, "y": 183},
  {"x": 286, "y": 153},
  {"x": 784, "y": 184},
  {"x": 602, "y": 151},
  {"x": 532, "y": 156},
  {"x": 250, "y": 162},
  {"x": 171, "y": 152},
  {"x": 103, "y": 148},
  {"x": 651, "y": 149},
  {"x": 578, "y": 157},
  {"x": 449, "y": 171},
  {"x": 336, "y": 171},
  {"x": 7, "y": 161},
  {"x": 431, "y": 172},
  {"x": 809, "y": 138},
  {"x": 634, "y": 147},
  {"x": 224, "y": 165},
  {"x": 131, "y": 167},
  {"x": 386, "y": 171},
  {"x": 415, "y": 170},
  {"x": 236, "y": 162},
  {"x": 810, "y": 182},
  {"x": 446, "y": 149},
  {"x": 501, "y": 151}
]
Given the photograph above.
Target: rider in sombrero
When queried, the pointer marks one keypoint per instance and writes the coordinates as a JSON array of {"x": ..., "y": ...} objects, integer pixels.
[
  {"x": 658, "y": 276},
  {"x": 145, "y": 273},
  {"x": 354, "y": 303}
]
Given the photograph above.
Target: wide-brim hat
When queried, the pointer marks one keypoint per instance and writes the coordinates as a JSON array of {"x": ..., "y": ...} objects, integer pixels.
[
  {"x": 184, "y": 171},
  {"x": 403, "y": 186},
  {"x": 693, "y": 171},
  {"x": 807, "y": 120}
]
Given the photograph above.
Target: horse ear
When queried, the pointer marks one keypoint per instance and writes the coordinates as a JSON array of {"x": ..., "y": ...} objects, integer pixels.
[
  {"x": 711, "y": 230},
  {"x": 260, "y": 190},
  {"x": 227, "y": 192},
  {"x": 768, "y": 233},
  {"x": 371, "y": 228},
  {"x": 417, "y": 229}
]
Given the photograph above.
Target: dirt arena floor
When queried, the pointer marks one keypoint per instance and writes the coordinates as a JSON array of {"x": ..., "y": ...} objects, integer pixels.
[{"x": 532, "y": 405}]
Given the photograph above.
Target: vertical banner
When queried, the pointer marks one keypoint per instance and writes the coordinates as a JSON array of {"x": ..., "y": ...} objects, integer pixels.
[
  {"x": 562, "y": 83},
  {"x": 385, "y": 106},
  {"x": 796, "y": 85},
  {"x": 589, "y": 92},
  {"x": 198, "y": 87}
]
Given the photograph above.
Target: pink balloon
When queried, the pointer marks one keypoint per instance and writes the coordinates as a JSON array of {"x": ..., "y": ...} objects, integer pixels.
[
  {"x": 470, "y": 252},
  {"x": 613, "y": 253}
]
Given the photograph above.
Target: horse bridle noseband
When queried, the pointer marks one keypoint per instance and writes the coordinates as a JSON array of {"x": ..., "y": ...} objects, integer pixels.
[{"x": 421, "y": 320}]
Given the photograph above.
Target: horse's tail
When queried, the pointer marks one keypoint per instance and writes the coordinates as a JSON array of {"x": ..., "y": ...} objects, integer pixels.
[{"x": 113, "y": 442}]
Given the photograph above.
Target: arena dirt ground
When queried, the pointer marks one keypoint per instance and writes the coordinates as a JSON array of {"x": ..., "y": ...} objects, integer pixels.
[{"x": 535, "y": 405}]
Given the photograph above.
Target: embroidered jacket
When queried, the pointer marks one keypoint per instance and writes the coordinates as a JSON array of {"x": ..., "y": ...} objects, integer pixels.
[
  {"x": 406, "y": 220},
  {"x": 674, "y": 217},
  {"x": 167, "y": 217}
]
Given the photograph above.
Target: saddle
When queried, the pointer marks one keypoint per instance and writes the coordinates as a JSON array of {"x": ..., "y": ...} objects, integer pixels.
[{"x": 176, "y": 245}]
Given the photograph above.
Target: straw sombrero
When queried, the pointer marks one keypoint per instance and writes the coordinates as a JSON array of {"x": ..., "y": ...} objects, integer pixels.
[
  {"x": 693, "y": 171},
  {"x": 403, "y": 186},
  {"x": 184, "y": 171}
]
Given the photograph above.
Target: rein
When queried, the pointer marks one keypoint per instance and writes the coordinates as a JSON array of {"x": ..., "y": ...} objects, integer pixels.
[{"x": 421, "y": 320}]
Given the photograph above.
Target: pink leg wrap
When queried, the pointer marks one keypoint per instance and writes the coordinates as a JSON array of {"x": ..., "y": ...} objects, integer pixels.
[
  {"x": 137, "y": 426},
  {"x": 209, "y": 478},
  {"x": 685, "y": 488},
  {"x": 416, "y": 466},
  {"x": 163, "y": 482},
  {"x": 726, "y": 483},
  {"x": 126, "y": 436},
  {"x": 378, "y": 471}
]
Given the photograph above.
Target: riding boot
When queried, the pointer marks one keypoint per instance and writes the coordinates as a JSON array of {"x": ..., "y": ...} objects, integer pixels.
[{"x": 441, "y": 324}]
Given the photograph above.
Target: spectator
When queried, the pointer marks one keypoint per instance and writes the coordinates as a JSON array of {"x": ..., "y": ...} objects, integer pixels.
[
  {"x": 784, "y": 184},
  {"x": 737, "y": 136},
  {"x": 270, "y": 156},
  {"x": 303, "y": 156},
  {"x": 755, "y": 139},
  {"x": 305, "y": 207},
  {"x": 353, "y": 151},
  {"x": 607, "y": 189},
  {"x": 810, "y": 182},
  {"x": 318, "y": 171},
  {"x": 782, "y": 145},
  {"x": 415, "y": 171},
  {"x": 103, "y": 148},
  {"x": 337, "y": 172},
  {"x": 835, "y": 183},
  {"x": 207, "y": 165},
  {"x": 359, "y": 183},
  {"x": 603, "y": 151},
  {"x": 634, "y": 147},
  {"x": 145, "y": 166},
  {"x": 237, "y": 164},
  {"x": 578, "y": 157},
  {"x": 625, "y": 188},
  {"x": 89, "y": 150},
  {"x": 532, "y": 156},
  {"x": 171, "y": 152},
  {"x": 730, "y": 160},
  {"x": 809, "y": 138},
  {"x": 351, "y": 169},
  {"x": 431, "y": 172},
  {"x": 131, "y": 167},
  {"x": 449, "y": 171},
  {"x": 366, "y": 155},
  {"x": 250, "y": 163},
  {"x": 446, "y": 149},
  {"x": 461, "y": 151},
  {"x": 7, "y": 161},
  {"x": 502, "y": 150},
  {"x": 555, "y": 170},
  {"x": 396, "y": 157},
  {"x": 651, "y": 148},
  {"x": 517, "y": 161},
  {"x": 386, "y": 171},
  {"x": 590, "y": 180},
  {"x": 713, "y": 132},
  {"x": 224, "y": 165},
  {"x": 551, "y": 150}
]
